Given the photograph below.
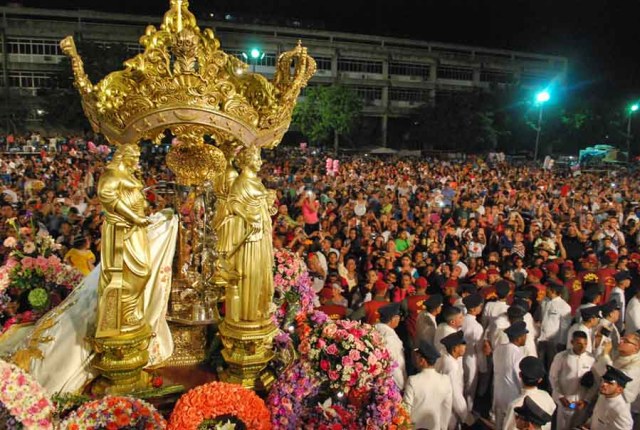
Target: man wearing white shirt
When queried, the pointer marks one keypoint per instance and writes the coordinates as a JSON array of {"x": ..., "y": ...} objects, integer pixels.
[
  {"x": 453, "y": 318},
  {"x": 555, "y": 320},
  {"x": 567, "y": 369},
  {"x": 590, "y": 318},
  {"x": 493, "y": 310},
  {"x": 389, "y": 321},
  {"x": 426, "y": 324},
  {"x": 623, "y": 281},
  {"x": 428, "y": 394},
  {"x": 632, "y": 315},
  {"x": 611, "y": 411},
  {"x": 506, "y": 361},
  {"x": 450, "y": 364},
  {"x": 472, "y": 331},
  {"x": 531, "y": 374}
]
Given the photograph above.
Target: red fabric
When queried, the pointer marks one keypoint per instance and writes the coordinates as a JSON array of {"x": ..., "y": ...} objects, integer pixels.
[
  {"x": 371, "y": 310},
  {"x": 415, "y": 304}
]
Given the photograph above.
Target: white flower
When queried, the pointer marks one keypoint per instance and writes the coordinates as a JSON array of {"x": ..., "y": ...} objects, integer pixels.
[
  {"x": 29, "y": 247},
  {"x": 10, "y": 242}
]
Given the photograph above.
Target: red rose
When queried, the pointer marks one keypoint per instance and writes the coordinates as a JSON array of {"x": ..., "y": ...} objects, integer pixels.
[
  {"x": 156, "y": 382},
  {"x": 324, "y": 365}
]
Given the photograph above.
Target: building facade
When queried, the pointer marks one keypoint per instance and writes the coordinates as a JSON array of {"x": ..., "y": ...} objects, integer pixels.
[{"x": 392, "y": 75}]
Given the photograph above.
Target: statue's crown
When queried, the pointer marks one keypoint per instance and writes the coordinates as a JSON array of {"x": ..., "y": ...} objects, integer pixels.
[{"x": 184, "y": 82}]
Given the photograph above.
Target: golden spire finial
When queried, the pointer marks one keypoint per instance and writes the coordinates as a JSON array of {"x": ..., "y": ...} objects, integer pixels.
[{"x": 179, "y": 4}]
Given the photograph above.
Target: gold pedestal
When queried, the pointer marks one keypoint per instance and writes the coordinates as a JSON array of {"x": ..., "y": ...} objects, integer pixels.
[
  {"x": 120, "y": 361},
  {"x": 189, "y": 341},
  {"x": 248, "y": 348}
]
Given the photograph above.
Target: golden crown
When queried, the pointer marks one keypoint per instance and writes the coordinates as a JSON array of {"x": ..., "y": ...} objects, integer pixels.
[{"x": 184, "y": 82}]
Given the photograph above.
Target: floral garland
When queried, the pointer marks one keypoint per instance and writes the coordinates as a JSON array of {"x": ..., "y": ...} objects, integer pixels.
[
  {"x": 33, "y": 280},
  {"x": 292, "y": 288},
  {"x": 219, "y": 400},
  {"x": 114, "y": 413},
  {"x": 342, "y": 380},
  {"x": 23, "y": 399}
]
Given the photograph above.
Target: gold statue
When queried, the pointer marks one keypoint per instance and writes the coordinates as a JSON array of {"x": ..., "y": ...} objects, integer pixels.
[
  {"x": 125, "y": 251},
  {"x": 250, "y": 202}
]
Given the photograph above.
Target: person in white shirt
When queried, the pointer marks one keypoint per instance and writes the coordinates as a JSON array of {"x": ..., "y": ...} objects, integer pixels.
[
  {"x": 632, "y": 315},
  {"x": 473, "y": 355},
  {"x": 531, "y": 374},
  {"x": 428, "y": 395},
  {"x": 555, "y": 319},
  {"x": 426, "y": 324},
  {"x": 590, "y": 319},
  {"x": 565, "y": 376},
  {"x": 450, "y": 364},
  {"x": 389, "y": 321},
  {"x": 606, "y": 330},
  {"x": 493, "y": 310},
  {"x": 611, "y": 411},
  {"x": 623, "y": 281},
  {"x": 506, "y": 361},
  {"x": 530, "y": 416},
  {"x": 453, "y": 318}
]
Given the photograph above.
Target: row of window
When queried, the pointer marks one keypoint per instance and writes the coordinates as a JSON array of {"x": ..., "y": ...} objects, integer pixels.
[{"x": 28, "y": 80}]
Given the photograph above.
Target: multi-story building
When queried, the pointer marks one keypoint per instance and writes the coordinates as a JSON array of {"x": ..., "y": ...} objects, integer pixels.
[{"x": 392, "y": 75}]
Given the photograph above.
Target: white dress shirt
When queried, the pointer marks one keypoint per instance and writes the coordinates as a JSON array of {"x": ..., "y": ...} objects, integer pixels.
[
  {"x": 396, "y": 349},
  {"x": 564, "y": 376},
  {"x": 555, "y": 321},
  {"x": 452, "y": 367},
  {"x": 506, "y": 379},
  {"x": 540, "y": 397},
  {"x": 429, "y": 396},
  {"x": 611, "y": 413}
]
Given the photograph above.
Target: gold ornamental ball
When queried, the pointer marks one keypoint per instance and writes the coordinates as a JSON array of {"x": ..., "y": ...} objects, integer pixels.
[{"x": 194, "y": 164}]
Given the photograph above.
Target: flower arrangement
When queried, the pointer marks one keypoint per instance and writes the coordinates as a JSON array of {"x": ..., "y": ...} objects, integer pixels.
[
  {"x": 215, "y": 404},
  {"x": 23, "y": 402},
  {"x": 343, "y": 378},
  {"x": 293, "y": 293},
  {"x": 115, "y": 413},
  {"x": 34, "y": 279}
]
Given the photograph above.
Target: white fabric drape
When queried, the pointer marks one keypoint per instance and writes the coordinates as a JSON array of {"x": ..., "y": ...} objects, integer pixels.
[{"x": 66, "y": 365}]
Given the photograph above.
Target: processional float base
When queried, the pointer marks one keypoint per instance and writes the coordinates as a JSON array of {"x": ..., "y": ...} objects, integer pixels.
[
  {"x": 120, "y": 361},
  {"x": 247, "y": 351}
]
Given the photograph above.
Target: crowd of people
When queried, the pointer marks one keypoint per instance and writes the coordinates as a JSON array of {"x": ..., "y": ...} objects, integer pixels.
[{"x": 508, "y": 295}]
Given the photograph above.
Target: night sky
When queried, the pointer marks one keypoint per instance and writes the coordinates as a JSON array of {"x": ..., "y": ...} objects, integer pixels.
[{"x": 600, "y": 37}]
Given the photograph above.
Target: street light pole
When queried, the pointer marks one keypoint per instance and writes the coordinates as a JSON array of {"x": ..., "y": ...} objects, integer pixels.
[
  {"x": 632, "y": 109},
  {"x": 541, "y": 98}
]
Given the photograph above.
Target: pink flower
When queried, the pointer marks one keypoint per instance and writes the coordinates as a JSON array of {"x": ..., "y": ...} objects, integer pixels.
[
  {"x": 354, "y": 355},
  {"x": 347, "y": 362},
  {"x": 332, "y": 349},
  {"x": 333, "y": 375}
]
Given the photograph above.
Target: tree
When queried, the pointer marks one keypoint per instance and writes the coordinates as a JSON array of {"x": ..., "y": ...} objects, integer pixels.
[
  {"x": 327, "y": 110},
  {"x": 61, "y": 102}
]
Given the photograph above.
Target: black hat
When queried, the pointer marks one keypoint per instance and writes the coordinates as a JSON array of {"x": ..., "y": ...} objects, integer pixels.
[
  {"x": 521, "y": 303},
  {"x": 532, "y": 368},
  {"x": 517, "y": 329},
  {"x": 433, "y": 302},
  {"x": 452, "y": 340},
  {"x": 617, "y": 376},
  {"x": 515, "y": 312},
  {"x": 467, "y": 288},
  {"x": 531, "y": 412},
  {"x": 621, "y": 276},
  {"x": 522, "y": 294},
  {"x": 389, "y": 311},
  {"x": 427, "y": 351},
  {"x": 502, "y": 288},
  {"x": 609, "y": 307},
  {"x": 590, "y": 312},
  {"x": 472, "y": 301}
]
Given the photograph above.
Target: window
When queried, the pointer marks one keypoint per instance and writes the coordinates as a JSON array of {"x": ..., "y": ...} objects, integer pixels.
[
  {"x": 360, "y": 66},
  {"x": 408, "y": 95},
  {"x": 496, "y": 76},
  {"x": 409, "y": 69},
  {"x": 369, "y": 94},
  {"x": 29, "y": 80},
  {"x": 455, "y": 73},
  {"x": 323, "y": 63},
  {"x": 33, "y": 46}
]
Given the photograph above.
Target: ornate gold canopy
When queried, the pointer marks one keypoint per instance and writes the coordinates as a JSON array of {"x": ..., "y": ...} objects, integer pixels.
[{"x": 183, "y": 81}]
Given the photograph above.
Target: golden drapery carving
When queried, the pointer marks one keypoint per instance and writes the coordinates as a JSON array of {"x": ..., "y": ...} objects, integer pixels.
[{"x": 125, "y": 251}]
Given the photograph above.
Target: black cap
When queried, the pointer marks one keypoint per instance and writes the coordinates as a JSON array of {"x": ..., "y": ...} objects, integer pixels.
[
  {"x": 522, "y": 294},
  {"x": 621, "y": 276},
  {"x": 389, "y": 311},
  {"x": 609, "y": 307},
  {"x": 590, "y": 312},
  {"x": 427, "y": 351},
  {"x": 472, "y": 301},
  {"x": 531, "y": 412},
  {"x": 502, "y": 288},
  {"x": 517, "y": 329},
  {"x": 467, "y": 288},
  {"x": 522, "y": 303},
  {"x": 433, "y": 302},
  {"x": 532, "y": 368},
  {"x": 616, "y": 375},
  {"x": 453, "y": 339},
  {"x": 515, "y": 312}
]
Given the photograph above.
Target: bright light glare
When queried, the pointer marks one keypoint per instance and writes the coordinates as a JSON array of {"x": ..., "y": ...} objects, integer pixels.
[
  {"x": 634, "y": 107},
  {"x": 255, "y": 53},
  {"x": 543, "y": 96}
]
